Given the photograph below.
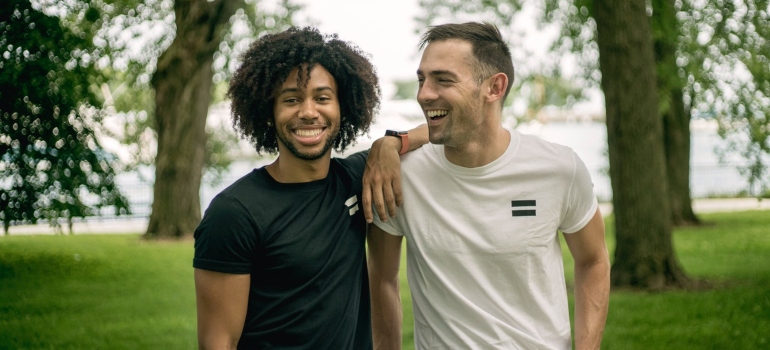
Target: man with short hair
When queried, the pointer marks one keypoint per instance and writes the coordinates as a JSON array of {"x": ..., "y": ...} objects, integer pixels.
[{"x": 482, "y": 207}]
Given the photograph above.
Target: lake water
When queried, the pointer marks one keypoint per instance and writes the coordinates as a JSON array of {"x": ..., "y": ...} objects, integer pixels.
[
  {"x": 588, "y": 139},
  {"x": 708, "y": 177}
]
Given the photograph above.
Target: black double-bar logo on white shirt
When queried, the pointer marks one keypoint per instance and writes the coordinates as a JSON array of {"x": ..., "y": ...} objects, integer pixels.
[{"x": 523, "y": 207}]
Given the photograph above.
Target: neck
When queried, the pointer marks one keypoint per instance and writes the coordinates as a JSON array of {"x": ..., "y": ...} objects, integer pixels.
[
  {"x": 294, "y": 170},
  {"x": 484, "y": 147}
]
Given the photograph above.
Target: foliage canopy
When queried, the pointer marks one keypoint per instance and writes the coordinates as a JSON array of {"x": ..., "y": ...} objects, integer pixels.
[
  {"x": 51, "y": 164},
  {"x": 723, "y": 60}
]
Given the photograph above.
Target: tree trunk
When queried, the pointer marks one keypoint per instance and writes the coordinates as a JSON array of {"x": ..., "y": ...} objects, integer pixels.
[
  {"x": 676, "y": 118},
  {"x": 644, "y": 255},
  {"x": 183, "y": 85},
  {"x": 676, "y": 122}
]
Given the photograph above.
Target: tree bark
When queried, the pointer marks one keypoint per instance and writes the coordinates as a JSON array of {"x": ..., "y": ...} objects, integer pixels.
[
  {"x": 676, "y": 118},
  {"x": 183, "y": 82},
  {"x": 676, "y": 137},
  {"x": 644, "y": 255}
]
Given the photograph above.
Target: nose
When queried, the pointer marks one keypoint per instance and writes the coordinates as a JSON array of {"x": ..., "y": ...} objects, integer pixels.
[
  {"x": 426, "y": 92},
  {"x": 307, "y": 109}
]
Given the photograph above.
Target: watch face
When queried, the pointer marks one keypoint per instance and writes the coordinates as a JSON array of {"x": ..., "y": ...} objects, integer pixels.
[{"x": 394, "y": 133}]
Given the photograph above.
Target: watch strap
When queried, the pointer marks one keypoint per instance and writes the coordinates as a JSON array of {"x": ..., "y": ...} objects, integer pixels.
[{"x": 404, "y": 135}]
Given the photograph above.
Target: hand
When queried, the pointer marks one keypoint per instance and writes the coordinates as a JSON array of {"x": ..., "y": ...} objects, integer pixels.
[{"x": 382, "y": 179}]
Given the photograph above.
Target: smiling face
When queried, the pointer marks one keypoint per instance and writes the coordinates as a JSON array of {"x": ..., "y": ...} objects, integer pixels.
[
  {"x": 307, "y": 119},
  {"x": 448, "y": 93}
]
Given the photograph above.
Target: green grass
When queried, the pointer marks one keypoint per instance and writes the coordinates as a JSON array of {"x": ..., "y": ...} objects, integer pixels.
[
  {"x": 95, "y": 292},
  {"x": 118, "y": 292},
  {"x": 732, "y": 252}
]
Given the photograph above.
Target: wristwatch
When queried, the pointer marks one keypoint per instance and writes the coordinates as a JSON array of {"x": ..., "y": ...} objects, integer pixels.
[{"x": 404, "y": 135}]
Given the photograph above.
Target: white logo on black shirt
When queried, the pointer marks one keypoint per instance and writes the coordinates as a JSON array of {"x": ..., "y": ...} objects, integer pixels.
[{"x": 352, "y": 204}]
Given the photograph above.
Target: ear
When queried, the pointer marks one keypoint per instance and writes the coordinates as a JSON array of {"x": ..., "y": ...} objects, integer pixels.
[{"x": 497, "y": 85}]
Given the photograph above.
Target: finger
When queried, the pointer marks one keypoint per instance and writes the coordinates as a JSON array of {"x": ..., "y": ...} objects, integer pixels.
[
  {"x": 390, "y": 200},
  {"x": 397, "y": 190},
  {"x": 366, "y": 201},
  {"x": 379, "y": 201}
]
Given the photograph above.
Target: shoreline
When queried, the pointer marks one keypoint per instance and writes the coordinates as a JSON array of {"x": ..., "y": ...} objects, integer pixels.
[{"x": 138, "y": 225}]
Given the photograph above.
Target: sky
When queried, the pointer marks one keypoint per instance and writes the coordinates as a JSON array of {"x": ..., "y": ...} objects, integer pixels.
[
  {"x": 383, "y": 28},
  {"x": 387, "y": 30}
]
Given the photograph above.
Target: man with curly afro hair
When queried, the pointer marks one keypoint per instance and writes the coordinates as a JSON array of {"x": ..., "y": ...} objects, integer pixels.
[{"x": 279, "y": 255}]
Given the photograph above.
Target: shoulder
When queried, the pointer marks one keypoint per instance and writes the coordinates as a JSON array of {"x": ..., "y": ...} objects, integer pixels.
[
  {"x": 534, "y": 146},
  {"x": 246, "y": 185},
  {"x": 232, "y": 209},
  {"x": 353, "y": 163},
  {"x": 350, "y": 169},
  {"x": 537, "y": 146},
  {"x": 245, "y": 195},
  {"x": 536, "y": 153},
  {"x": 427, "y": 152}
]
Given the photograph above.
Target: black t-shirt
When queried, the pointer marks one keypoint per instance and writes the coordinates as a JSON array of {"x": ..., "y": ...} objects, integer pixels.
[{"x": 303, "y": 245}]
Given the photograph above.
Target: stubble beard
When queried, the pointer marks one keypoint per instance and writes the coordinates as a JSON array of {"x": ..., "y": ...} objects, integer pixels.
[
  {"x": 452, "y": 135},
  {"x": 456, "y": 138},
  {"x": 439, "y": 138},
  {"x": 282, "y": 138}
]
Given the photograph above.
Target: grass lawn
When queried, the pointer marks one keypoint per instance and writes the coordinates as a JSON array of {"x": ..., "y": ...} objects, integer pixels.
[
  {"x": 96, "y": 292},
  {"x": 733, "y": 254},
  {"x": 118, "y": 292}
]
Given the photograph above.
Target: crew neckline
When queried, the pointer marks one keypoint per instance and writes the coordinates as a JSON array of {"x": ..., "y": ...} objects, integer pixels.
[{"x": 510, "y": 152}]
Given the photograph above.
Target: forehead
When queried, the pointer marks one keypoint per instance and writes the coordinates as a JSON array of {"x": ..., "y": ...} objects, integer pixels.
[
  {"x": 452, "y": 55},
  {"x": 319, "y": 77}
]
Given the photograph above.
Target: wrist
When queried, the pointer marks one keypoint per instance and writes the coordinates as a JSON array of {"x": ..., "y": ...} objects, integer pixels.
[{"x": 404, "y": 136}]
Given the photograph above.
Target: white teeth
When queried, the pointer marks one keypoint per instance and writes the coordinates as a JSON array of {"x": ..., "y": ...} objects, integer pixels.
[
  {"x": 437, "y": 113},
  {"x": 307, "y": 132}
]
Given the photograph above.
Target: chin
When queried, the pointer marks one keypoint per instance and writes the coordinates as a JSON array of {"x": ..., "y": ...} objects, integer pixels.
[
  {"x": 436, "y": 139},
  {"x": 311, "y": 156}
]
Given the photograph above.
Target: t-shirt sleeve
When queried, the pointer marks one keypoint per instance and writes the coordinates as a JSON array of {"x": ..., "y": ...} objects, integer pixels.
[
  {"x": 581, "y": 201},
  {"x": 356, "y": 163},
  {"x": 393, "y": 225},
  {"x": 226, "y": 237}
]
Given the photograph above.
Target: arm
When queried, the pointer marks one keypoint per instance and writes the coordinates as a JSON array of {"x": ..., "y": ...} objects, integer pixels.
[
  {"x": 222, "y": 299},
  {"x": 592, "y": 282},
  {"x": 383, "y": 262},
  {"x": 382, "y": 175}
]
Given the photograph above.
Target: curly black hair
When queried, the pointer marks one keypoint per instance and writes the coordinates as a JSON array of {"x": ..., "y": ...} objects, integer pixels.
[{"x": 266, "y": 66}]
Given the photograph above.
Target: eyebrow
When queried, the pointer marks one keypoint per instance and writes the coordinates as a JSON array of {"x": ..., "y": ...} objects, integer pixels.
[
  {"x": 438, "y": 72},
  {"x": 297, "y": 90}
]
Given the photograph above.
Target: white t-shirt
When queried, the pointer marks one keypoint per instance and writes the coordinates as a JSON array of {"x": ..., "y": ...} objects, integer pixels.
[{"x": 484, "y": 261}]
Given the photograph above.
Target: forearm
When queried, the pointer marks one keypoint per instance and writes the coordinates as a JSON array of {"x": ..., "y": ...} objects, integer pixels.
[
  {"x": 592, "y": 289},
  {"x": 384, "y": 260},
  {"x": 418, "y": 137},
  {"x": 386, "y": 314}
]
